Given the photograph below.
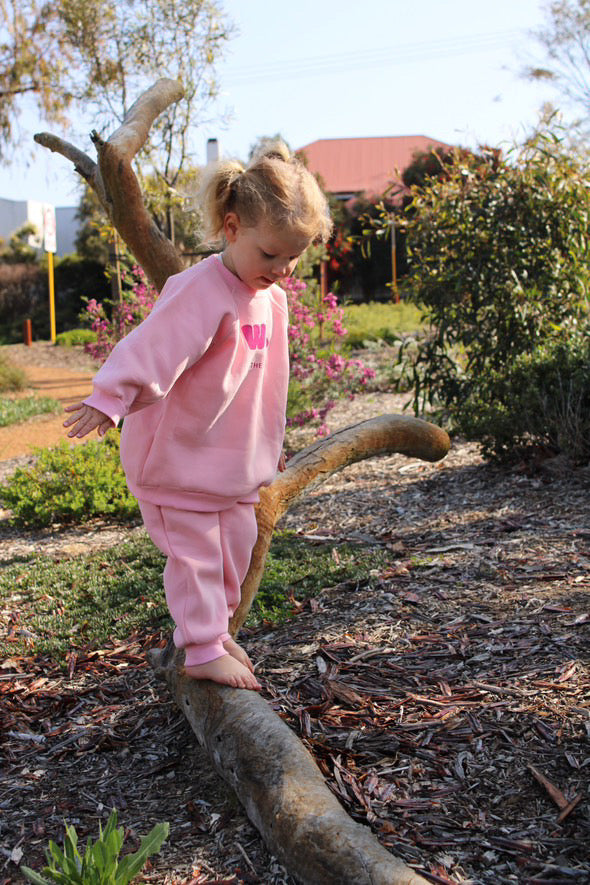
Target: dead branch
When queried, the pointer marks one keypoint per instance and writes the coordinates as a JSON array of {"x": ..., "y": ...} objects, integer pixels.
[
  {"x": 378, "y": 436},
  {"x": 116, "y": 184},
  {"x": 279, "y": 785}
]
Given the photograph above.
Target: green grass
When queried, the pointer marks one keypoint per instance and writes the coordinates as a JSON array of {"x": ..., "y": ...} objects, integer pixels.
[
  {"x": 376, "y": 321},
  {"x": 50, "y": 606},
  {"x": 11, "y": 377},
  {"x": 75, "y": 336},
  {"x": 14, "y": 411}
]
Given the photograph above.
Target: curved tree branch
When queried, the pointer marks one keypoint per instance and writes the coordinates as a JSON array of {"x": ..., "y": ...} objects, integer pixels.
[
  {"x": 116, "y": 184},
  {"x": 378, "y": 436}
]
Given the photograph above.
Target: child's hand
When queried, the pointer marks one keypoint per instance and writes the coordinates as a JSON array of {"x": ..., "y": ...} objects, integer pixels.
[
  {"x": 282, "y": 462},
  {"x": 86, "y": 419}
]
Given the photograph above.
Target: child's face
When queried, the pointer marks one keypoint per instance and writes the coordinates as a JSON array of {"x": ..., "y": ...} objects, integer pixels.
[{"x": 260, "y": 255}]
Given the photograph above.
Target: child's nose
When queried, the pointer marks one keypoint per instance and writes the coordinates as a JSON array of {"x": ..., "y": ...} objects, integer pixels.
[{"x": 284, "y": 267}]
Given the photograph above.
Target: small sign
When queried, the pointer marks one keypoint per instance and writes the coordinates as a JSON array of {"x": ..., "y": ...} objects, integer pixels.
[
  {"x": 42, "y": 216},
  {"x": 49, "y": 228}
]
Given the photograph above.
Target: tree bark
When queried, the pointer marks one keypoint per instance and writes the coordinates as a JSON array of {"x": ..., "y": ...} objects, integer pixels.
[{"x": 279, "y": 785}]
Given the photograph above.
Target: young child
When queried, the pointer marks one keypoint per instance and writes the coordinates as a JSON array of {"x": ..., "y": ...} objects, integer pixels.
[{"x": 202, "y": 385}]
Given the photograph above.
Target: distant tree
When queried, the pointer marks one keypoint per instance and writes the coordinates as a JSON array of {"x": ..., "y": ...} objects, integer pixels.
[
  {"x": 35, "y": 62},
  {"x": 18, "y": 250},
  {"x": 565, "y": 39},
  {"x": 427, "y": 164},
  {"x": 119, "y": 48},
  {"x": 91, "y": 241},
  {"x": 95, "y": 56}
]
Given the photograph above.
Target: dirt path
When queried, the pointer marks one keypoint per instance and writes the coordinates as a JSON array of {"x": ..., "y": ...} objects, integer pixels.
[{"x": 48, "y": 377}]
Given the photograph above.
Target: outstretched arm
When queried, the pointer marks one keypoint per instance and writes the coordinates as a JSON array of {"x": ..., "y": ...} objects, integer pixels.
[{"x": 85, "y": 419}]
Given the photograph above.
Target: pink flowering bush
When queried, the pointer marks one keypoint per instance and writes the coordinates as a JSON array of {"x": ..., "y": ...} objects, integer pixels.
[
  {"x": 320, "y": 374},
  {"x": 138, "y": 298}
]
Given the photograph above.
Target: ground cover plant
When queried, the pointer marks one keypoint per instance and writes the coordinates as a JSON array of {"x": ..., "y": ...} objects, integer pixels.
[
  {"x": 14, "y": 411},
  {"x": 70, "y": 484},
  {"x": 499, "y": 258},
  {"x": 55, "y": 607},
  {"x": 74, "y": 337},
  {"x": 381, "y": 321}
]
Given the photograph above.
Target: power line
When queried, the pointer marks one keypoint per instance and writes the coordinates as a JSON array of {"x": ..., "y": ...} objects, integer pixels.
[{"x": 386, "y": 56}]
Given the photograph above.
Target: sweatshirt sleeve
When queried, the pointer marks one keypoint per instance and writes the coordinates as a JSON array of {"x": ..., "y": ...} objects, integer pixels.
[{"x": 144, "y": 365}]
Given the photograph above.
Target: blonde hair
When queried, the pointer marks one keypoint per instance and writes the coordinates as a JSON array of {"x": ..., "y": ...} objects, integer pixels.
[{"x": 275, "y": 187}]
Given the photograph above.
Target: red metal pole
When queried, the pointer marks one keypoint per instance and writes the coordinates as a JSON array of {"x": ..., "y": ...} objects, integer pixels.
[{"x": 27, "y": 333}]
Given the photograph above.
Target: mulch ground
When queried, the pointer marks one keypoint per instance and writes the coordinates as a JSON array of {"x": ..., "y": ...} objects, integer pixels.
[{"x": 445, "y": 697}]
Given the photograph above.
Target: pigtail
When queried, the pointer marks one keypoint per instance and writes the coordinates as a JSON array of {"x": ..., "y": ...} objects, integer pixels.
[
  {"x": 218, "y": 195},
  {"x": 274, "y": 187}
]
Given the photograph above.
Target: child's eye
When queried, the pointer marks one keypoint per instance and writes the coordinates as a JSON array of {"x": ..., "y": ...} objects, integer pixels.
[{"x": 266, "y": 255}]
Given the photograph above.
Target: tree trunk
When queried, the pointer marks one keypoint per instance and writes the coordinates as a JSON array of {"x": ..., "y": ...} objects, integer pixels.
[
  {"x": 279, "y": 785},
  {"x": 272, "y": 773}
]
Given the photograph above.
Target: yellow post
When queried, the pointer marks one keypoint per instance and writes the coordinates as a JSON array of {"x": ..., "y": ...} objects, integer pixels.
[
  {"x": 394, "y": 264},
  {"x": 51, "y": 297}
]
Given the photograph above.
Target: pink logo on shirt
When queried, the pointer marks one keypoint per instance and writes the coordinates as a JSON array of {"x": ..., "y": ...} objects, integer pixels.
[{"x": 256, "y": 336}]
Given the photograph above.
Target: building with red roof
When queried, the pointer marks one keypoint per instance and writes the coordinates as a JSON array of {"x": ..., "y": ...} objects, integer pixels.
[{"x": 351, "y": 166}]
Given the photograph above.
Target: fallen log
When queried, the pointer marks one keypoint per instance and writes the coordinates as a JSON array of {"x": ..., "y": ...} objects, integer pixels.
[
  {"x": 273, "y": 775},
  {"x": 279, "y": 784}
]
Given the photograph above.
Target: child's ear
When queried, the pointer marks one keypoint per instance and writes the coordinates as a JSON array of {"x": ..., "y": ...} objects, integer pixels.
[{"x": 231, "y": 226}]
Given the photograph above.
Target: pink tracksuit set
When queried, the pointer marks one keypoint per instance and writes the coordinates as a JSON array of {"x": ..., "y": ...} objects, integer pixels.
[{"x": 202, "y": 385}]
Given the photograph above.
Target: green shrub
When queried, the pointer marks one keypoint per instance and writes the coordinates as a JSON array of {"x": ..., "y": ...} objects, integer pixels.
[
  {"x": 541, "y": 401},
  {"x": 101, "y": 863},
  {"x": 70, "y": 484},
  {"x": 75, "y": 336},
  {"x": 499, "y": 257},
  {"x": 13, "y": 411},
  {"x": 11, "y": 377}
]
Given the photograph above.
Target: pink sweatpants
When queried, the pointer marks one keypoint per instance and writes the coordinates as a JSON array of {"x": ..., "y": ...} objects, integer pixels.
[{"x": 208, "y": 557}]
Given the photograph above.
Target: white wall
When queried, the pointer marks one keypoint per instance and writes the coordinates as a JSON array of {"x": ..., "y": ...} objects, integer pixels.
[{"x": 14, "y": 213}]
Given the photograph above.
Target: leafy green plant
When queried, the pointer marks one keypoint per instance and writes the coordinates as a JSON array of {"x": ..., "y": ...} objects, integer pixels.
[
  {"x": 75, "y": 336},
  {"x": 13, "y": 411},
  {"x": 11, "y": 377},
  {"x": 499, "y": 258},
  {"x": 540, "y": 402},
  {"x": 70, "y": 484},
  {"x": 101, "y": 863}
]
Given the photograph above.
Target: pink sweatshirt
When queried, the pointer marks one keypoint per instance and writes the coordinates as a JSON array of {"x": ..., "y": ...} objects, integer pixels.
[{"x": 202, "y": 384}]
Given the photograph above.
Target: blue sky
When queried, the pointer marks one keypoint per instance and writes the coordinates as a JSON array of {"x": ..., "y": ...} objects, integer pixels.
[{"x": 314, "y": 69}]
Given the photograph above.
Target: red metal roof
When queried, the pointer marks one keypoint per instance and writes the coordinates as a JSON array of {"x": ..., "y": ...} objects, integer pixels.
[{"x": 351, "y": 165}]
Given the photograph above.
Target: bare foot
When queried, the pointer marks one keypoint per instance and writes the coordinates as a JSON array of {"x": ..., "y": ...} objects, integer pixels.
[
  {"x": 237, "y": 652},
  {"x": 227, "y": 671}
]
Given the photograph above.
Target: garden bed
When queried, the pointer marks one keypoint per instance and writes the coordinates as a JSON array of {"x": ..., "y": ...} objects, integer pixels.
[{"x": 433, "y": 693}]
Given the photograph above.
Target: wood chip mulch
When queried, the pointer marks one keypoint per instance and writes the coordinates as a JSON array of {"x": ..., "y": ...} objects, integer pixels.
[{"x": 445, "y": 697}]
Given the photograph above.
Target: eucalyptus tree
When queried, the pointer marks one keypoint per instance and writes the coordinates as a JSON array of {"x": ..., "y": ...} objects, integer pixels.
[{"x": 565, "y": 42}]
